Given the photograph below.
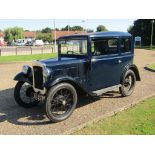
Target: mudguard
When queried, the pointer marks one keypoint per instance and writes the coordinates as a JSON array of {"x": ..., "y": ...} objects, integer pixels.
[
  {"x": 22, "y": 77},
  {"x": 65, "y": 79},
  {"x": 135, "y": 70}
]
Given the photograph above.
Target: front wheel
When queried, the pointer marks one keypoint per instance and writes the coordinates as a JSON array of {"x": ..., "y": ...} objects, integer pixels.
[
  {"x": 23, "y": 94},
  {"x": 60, "y": 102},
  {"x": 128, "y": 83}
]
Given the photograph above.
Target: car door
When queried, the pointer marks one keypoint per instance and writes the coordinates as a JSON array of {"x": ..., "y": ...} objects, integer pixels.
[
  {"x": 105, "y": 63},
  {"x": 126, "y": 51}
]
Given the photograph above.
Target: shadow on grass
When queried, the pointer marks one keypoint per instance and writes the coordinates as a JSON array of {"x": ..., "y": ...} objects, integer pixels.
[{"x": 13, "y": 113}]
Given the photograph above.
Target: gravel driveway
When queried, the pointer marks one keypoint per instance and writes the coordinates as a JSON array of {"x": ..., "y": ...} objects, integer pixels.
[{"x": 17, "y": 120}]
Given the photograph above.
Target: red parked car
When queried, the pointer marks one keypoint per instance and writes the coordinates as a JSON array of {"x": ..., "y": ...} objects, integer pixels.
[{"x": 2, "y": 43}]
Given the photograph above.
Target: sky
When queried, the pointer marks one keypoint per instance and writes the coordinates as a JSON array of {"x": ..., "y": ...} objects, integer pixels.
[{"x": 38, "y": 24}]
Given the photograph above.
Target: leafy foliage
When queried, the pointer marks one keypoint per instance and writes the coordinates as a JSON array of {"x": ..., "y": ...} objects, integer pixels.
[
  {"x": 77, "y": 28},
  {"x": 66, "y": 28},
  {"x": 44, "y": 36},
  {"x": 143, "y": 28},
  {"x": 101, "y": 28},
  {"x": 74, "y": 28},
  {"x": 14, "y": 33},
  {"x": 46, "y": 30}
]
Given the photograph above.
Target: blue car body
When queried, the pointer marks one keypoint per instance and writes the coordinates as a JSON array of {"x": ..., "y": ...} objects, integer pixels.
[{"x": 89, "y": 72}]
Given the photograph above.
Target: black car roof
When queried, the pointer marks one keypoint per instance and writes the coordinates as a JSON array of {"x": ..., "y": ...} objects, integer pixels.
[{"x": 99, "y": 34}]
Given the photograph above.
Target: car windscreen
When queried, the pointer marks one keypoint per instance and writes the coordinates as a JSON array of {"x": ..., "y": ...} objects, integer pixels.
[{"x": 73, "y": 46}]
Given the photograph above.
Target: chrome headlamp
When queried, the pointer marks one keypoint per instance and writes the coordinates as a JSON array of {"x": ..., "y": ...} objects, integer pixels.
[
  {"x": 46, "y": 72},
  {"x": 26, "y": 69}
]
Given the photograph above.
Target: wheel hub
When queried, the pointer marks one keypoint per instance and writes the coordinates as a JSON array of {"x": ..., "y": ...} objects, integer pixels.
[
  {"x": 62, "y": 100},
  {"x": 29, "y": 92},
  {"x": 127, "y": 82}
]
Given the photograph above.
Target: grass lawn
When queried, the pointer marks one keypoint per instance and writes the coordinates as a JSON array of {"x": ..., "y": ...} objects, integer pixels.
[
  {"x": 146, "y": 48},
  {"x": 137, "y": 120},
  {"x": 6, "y": 59},
  {"x": 152, "y": 66}
]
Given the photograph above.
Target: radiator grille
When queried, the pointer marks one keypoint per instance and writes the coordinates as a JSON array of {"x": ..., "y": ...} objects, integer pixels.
[{"x": 38, "y": 77}]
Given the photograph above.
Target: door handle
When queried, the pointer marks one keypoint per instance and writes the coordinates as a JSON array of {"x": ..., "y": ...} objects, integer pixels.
[{"x": 119, "y": 61}]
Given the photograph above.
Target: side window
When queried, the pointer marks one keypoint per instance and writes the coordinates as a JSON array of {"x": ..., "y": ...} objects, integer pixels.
[
  {"x": 104, "y": 46},
  {"x": 125, "y": 45}
]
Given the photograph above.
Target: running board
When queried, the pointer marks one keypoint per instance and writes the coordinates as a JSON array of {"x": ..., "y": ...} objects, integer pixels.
[{"x": 102, "y": 91}]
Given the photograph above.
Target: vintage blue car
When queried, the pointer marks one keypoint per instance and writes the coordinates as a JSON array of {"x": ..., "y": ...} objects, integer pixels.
[{"x": 90, "y": 64}]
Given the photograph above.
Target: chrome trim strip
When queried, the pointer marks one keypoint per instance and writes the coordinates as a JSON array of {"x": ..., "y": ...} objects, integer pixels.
[{"x": 37, "y": 63}]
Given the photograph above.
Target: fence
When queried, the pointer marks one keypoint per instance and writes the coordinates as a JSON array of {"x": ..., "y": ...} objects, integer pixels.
[{"x": 25, "y": 50}]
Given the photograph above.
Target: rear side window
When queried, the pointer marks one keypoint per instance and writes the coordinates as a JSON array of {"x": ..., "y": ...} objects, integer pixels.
[
  {"x": 104, "y": 46},
  {"x": 125, "y": 45}
]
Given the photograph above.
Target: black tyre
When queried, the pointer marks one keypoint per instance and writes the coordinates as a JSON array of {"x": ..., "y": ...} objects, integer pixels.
[
  {"x": 60, "y": 102},
  {"x": 128, "y": 83},
  {"x": 23, "y": 94}
]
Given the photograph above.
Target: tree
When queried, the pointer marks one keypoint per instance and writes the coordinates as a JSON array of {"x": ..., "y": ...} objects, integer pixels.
[
  {"x": 14, "y": 33},
  {"x": 44, "y": 36},
  {"x": 8, "y": 35},
  {"x": 46, "y": 30},
  {"x": 66, "y": 28},
  {"x": 77, "y": 28},
  {"x": 57, "y": 29},
  {"x": 90, "y": 30},
  {"x": 74, "y": 28},
  {"x": 101, "y": 28},
  {"x": 143, "y": 28}
]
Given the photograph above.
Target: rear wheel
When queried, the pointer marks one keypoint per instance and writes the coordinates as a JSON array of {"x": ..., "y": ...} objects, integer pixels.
[
  {"x": 61, "y": 102},
  {"x": 128, "y": 83},
  {"x": 23, "y": 94}
]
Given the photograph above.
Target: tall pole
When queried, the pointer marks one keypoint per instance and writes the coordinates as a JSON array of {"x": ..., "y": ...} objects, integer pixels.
[
  {"x": 152, "y": 32},
  {"x": 55, "y": 49},
  {"x": 68, "y": 29},
  {"x": 83, "y": 24}
]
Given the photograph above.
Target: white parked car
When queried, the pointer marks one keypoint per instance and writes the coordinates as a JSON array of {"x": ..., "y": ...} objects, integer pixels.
[
  {"x": 46, "y": 43},
  {"x": 21, "y": 42},
  {"x": 38, "y": 43}
]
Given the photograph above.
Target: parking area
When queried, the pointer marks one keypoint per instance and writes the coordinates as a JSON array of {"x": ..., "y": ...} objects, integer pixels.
[{"x": 17, "y": 120}]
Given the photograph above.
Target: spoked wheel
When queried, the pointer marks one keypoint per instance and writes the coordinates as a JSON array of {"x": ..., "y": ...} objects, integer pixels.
[
  {"x": 61, "y": 102},
  {"x": 24, "y": 95},
  {"x": 128, "y": 83}
]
